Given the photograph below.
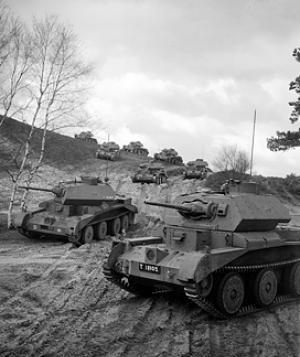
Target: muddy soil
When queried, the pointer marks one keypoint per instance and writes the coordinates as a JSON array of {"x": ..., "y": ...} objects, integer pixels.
[{"x": 54, "y": 301}]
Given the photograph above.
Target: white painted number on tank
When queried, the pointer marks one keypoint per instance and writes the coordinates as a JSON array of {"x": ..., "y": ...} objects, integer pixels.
[{"x": 149, "y": 268}]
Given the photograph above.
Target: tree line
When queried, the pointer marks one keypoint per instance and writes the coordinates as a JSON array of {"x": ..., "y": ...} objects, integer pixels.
[{"x": 43, "y": 82}]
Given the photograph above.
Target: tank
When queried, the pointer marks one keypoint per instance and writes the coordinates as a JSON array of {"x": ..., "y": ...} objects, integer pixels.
[
  {"x": 197, "y": 169},
  {"x": 150, "y": 174},
  {"x": 231, "y": 252},
  {"x": 137, "y": 148},
  {"x": 108, "y": 151},
  {"x": 169, "y": 156},
  {"x": 81, "y": 211}
]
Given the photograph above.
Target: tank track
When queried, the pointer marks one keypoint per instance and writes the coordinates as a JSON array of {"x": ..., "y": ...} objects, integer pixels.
[{"x": 205, "y": 304}]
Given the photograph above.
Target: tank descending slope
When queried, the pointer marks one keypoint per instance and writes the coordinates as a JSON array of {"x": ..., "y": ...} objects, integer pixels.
[
  {"x": 197, "y": 169},
  {"x": 81, "y": 211},
  {"x": 226, "y": 250},
  {"x": 150, "y": 174}
]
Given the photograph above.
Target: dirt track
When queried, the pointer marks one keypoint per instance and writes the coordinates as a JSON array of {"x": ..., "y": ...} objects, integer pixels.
[{"x": 55, "y": 302}]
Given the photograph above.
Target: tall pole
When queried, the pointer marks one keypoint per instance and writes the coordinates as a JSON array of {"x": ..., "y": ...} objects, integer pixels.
[
  {"x": 106, "y": 178},
  {"x": 252, "y": 146}
]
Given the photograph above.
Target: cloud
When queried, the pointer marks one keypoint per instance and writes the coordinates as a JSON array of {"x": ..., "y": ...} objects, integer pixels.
[{"x": 188, "y": 74}]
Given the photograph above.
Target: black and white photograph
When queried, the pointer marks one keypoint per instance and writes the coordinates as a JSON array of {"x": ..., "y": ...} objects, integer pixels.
[{"x": 149, "y": 178}]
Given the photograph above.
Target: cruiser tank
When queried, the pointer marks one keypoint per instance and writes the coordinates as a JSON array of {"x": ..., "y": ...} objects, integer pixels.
[
  {"x": 231, "y": 252},
  {"x": 80, "y": 210}
]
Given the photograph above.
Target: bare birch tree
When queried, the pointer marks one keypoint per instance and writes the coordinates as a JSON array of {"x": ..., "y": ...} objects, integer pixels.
[
  {"x": 5, "y": 16},
  {"x": 14, "y": 73},
  {"x": 14, "y": 61},
  {"x": 56, "y": 90}
]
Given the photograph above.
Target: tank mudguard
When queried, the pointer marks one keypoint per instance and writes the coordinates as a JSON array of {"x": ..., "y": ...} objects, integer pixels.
[
  {"x": 20, "y": 218},
  {"x": 189, "y": 266},
  {"x": 117, "y": 250},
  {"x": 197, "y": 266},
  {"x": 214, "y": 260}
]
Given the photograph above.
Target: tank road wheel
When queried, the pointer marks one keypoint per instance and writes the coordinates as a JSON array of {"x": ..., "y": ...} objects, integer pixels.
[
  {"x": 230, "y": 293},
  {"x": 204, "y": 287},
  {"x": 294, "y": 279},
  {"x": 125, "y": 223},
  {"x": 101, "y": 230},
  {"x": 115, "y": 226},
  {"x": 265, "y": 287},
  {"x": 87, "y": 234}
]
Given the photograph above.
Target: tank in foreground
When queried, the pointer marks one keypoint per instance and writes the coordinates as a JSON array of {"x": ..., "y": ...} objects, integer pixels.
[
  {"x": 81, "y": 211},
  {"x": 230, "y": 252}
]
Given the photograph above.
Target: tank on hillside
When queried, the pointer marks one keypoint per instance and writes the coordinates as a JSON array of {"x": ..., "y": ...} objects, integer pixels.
[
  {"x": 81, "y": 211},
  {"x": 108, "y": 151},
  {"x": 137, "y": 148},
  {"x": 197, "y": 169},
  {"x": 231, "y": 252},
  {"x": 150, "y": 174},
  {"x": 169, "y": 156}
]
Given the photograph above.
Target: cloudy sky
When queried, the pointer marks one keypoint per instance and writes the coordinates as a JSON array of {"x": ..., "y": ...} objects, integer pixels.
[{"x": 188, "y": 74}]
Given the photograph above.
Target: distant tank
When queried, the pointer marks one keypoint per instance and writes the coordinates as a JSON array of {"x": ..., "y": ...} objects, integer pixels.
[
  {"x": 150, "y": 174},
  {"x": 81, "y": 211},
  {"x": 231, "y": 252},
  {"x": 169, "y": 156},
  {"x": 136, "y": 147},
  {"x": 197, "y": 169},
  {"x": 108, "y": 151}
]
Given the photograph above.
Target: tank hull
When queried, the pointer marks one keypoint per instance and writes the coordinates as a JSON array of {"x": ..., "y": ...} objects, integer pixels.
[
  {"x": 149, "y": 179},
  {"x": 189, "y": 174},
  {"x": 156, "y": 266},
  {"x": 44, "y": 223}
]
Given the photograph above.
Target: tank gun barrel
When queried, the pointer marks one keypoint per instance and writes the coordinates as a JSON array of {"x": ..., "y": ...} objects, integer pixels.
[
  {"x": 34, "y": 188},
  {"x": 194, "y": 210},
  {"x": 181, "y": 208}
]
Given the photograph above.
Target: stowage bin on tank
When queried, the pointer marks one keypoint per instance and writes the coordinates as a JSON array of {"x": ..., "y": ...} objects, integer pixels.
[
  {"x": 81, "y": 211},
  {"x": 230, "y": 252}
]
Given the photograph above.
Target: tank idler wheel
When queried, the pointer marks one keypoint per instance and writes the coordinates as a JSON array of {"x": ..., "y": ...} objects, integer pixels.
[
  {"x": 87, "y": 234},
  {"x": 230, "y": 293},
  {"x": 204, "y": 287},
  {"x": 101, "y": 230},
  {"x": 115, "y": 226},
  {"x": 125, "y": 223},
  {"x": 265, "y": 287},
  {"x": 294, "y": 279}
]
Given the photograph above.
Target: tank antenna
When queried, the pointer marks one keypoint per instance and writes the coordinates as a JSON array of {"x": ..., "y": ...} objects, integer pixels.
[
  {"x": 252, "y": 145},
  {"x": 106, "y": 177}
]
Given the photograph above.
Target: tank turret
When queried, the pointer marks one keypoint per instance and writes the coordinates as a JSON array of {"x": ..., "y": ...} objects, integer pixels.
[
  {"x": 231, "y": 252},
  {"x": 81, "y": 210}
]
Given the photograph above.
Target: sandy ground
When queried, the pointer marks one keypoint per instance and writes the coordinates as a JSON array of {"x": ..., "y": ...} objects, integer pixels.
[{"x": 54, "y": 301}]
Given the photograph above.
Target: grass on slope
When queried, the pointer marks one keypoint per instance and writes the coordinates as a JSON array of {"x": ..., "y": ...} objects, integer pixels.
[{"x": 60, "y": 149}]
